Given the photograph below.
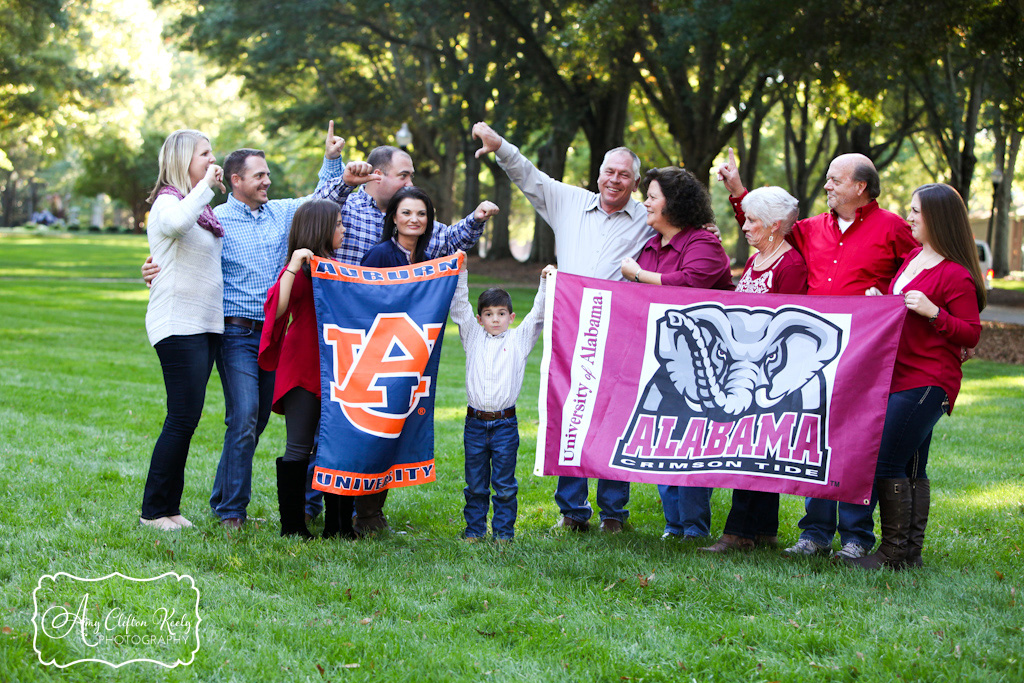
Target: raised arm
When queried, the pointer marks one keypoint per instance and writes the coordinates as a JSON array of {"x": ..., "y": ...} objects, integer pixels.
[
  {"x": 339, "y": 188},
  {"x": 532, "y": 325},
  {"x": 448, "y": 239},
  {"x": 533, "y": 182}
]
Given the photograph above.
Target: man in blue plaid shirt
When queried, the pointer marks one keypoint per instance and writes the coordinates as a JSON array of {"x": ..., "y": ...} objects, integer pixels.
[
  {"x": 386, "y": 170},
  {"x": 254, "y": 251}
]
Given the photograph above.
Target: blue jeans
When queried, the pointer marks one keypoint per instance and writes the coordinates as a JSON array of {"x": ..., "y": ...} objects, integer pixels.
[
  {"x": 491, "y": 449},
  {"x": 248, "y": 395},
  {"x": 909, "y": 419},
  {"x": 612, "y": 497},
  {"x": 186, "y": 361},
  {"x": 687, "y": 509},
  {"x": 822, "y": 518}
]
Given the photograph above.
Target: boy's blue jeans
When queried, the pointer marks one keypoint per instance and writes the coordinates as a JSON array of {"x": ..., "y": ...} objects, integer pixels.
[{"x": 491, "y": 448}]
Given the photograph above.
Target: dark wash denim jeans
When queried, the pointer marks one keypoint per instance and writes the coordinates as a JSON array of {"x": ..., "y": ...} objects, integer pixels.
[
  {"x": 248, "y": 396},
  {"x": 687, "y": 509},
  {"x": 910, "y": 417},
  {"x": 491, "y": 449},
  {"x": 186, "y": 361}
]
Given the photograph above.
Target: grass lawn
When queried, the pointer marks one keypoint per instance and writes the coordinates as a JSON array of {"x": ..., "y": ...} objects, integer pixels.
[
  {"x": 1016, "y": 285},
  {"x": 81, "y": 403}
]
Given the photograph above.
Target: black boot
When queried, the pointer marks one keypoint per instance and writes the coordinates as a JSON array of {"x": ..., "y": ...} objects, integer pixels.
[
  {"x": 291, "y": 497},
  {"x": 338, "y": 516},
  {"x": 370, "y": 513},
  {"x": 894, "y": 512},
  {"x": 921, "y": 495}
]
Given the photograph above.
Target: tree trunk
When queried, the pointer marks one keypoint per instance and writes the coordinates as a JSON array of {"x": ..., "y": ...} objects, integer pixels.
[
  {"x": 1001, "y": 248},
  {"x": 10, "y": 196},
  {"x": 499, "y": 244}
]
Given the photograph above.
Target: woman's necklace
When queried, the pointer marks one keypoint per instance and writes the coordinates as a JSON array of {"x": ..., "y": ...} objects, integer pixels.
[
  {"x": 767, "y": 259},
  {"x": 920, "y": 264}
]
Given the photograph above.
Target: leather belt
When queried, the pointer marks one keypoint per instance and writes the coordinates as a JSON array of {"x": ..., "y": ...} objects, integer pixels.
[
  {"x": 491, "y": 415},
  {"x": 254, "y": 325}
]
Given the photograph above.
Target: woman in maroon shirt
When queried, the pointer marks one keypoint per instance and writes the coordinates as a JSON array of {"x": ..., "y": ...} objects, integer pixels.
[
  {"x": 942, "y": 287},
  {"x": 775, "y": 268},
  {"x": 293, "y": 351},
  {"x": 682, "y": 254}
]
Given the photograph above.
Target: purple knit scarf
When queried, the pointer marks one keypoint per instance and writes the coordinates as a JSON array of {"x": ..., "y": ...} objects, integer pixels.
[{"x": 207, "y": 220}]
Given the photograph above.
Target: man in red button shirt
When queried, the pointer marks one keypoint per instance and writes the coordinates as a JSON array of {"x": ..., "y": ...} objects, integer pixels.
[{"x": 852, "y": 247}]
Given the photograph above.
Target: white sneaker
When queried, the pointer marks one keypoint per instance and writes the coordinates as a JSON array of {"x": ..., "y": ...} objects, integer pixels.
[
  {"x": 852, "y": 551},
  {"x": 806, "y": 546}
]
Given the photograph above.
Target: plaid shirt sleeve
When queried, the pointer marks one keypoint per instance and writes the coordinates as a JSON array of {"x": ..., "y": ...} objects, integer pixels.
[
  {"x": 336, "y": 190},
  {"x": 363, "y": 223},
  {"x": 447, "y": 239}
]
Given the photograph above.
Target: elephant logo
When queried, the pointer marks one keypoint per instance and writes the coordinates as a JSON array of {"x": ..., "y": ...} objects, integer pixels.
[{"x": 739, "y": 383}]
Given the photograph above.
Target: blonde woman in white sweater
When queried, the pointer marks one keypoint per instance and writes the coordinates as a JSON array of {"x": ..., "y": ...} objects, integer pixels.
[{"x": 185, "y": 317}]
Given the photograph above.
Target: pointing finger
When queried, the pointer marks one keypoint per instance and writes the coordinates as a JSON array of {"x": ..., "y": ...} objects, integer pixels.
[{"x": 330, "y": 129}]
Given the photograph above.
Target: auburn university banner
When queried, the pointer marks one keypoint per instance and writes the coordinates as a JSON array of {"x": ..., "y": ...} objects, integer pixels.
[
  {"x": 380, "y": 341},
  {"x": 678, "y": 386}
]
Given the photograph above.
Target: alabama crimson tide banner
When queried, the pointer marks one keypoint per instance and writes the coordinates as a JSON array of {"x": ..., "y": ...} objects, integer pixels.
[
  {"x": 669, "y": 385},
  {"x": 380, "y": 341}
]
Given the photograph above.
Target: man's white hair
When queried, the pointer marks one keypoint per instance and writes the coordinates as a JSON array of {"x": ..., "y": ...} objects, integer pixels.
[{"x": 631, "y": 153}]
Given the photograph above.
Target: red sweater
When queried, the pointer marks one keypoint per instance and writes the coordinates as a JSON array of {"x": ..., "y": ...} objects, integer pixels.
[
  {"x": 866, "y": 255},
  {"x": 929, "y": 353},
  {"x": 788, "y": 275},
  {"x": 292, "y": 350}
]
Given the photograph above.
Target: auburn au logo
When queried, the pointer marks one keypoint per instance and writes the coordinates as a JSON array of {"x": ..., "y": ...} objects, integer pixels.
[{"x": 378, "y": 375}]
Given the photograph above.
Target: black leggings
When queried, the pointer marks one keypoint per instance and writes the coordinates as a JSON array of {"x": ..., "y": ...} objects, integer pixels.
[{"x": 301, "y": 419}]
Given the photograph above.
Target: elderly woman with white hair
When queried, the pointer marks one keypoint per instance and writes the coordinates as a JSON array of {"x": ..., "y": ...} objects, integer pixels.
[{"x": 775, "y": 268}]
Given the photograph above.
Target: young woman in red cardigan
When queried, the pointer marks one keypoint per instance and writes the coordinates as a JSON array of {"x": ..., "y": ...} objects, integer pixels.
[
  {"x": 293, "y": 351},
  {"x": 942, "y": 287}
]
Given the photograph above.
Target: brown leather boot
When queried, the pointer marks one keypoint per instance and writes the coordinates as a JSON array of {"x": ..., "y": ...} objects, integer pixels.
[
  {"x": 370, "y": 513},
  {"x": 894, "y": 512},
  {"x": 921, "y": 496},
  {"x": 728, "y": 543}
]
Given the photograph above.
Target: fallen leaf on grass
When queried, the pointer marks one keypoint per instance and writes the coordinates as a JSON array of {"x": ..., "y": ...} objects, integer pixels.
[
  {"x": 794, "y": 624},
  {"x": 999, "y": 575},
  {"x": 321, "y": 670},
  {"x": 489, "y": 634},
  {"x": 645, "y": 580},
  {"x": 365, "y": 621},
  {"x": 861, "y": 655},
  {"x": 610, "y": 586},
  {"x": 350, "y": 666},
  {"x": 486, "y": 606},
  {"x": 7, "y": 630},
  {"x": 348, "y": 593}
]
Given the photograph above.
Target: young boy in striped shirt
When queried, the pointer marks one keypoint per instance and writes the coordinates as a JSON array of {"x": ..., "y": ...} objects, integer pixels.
[{"x": 495, "y": 365}]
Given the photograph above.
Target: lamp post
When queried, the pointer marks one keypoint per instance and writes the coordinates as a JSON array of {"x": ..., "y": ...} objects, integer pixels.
[
  {"x": 404, "y": 137},
  {"x": 997, "y": 180}
]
